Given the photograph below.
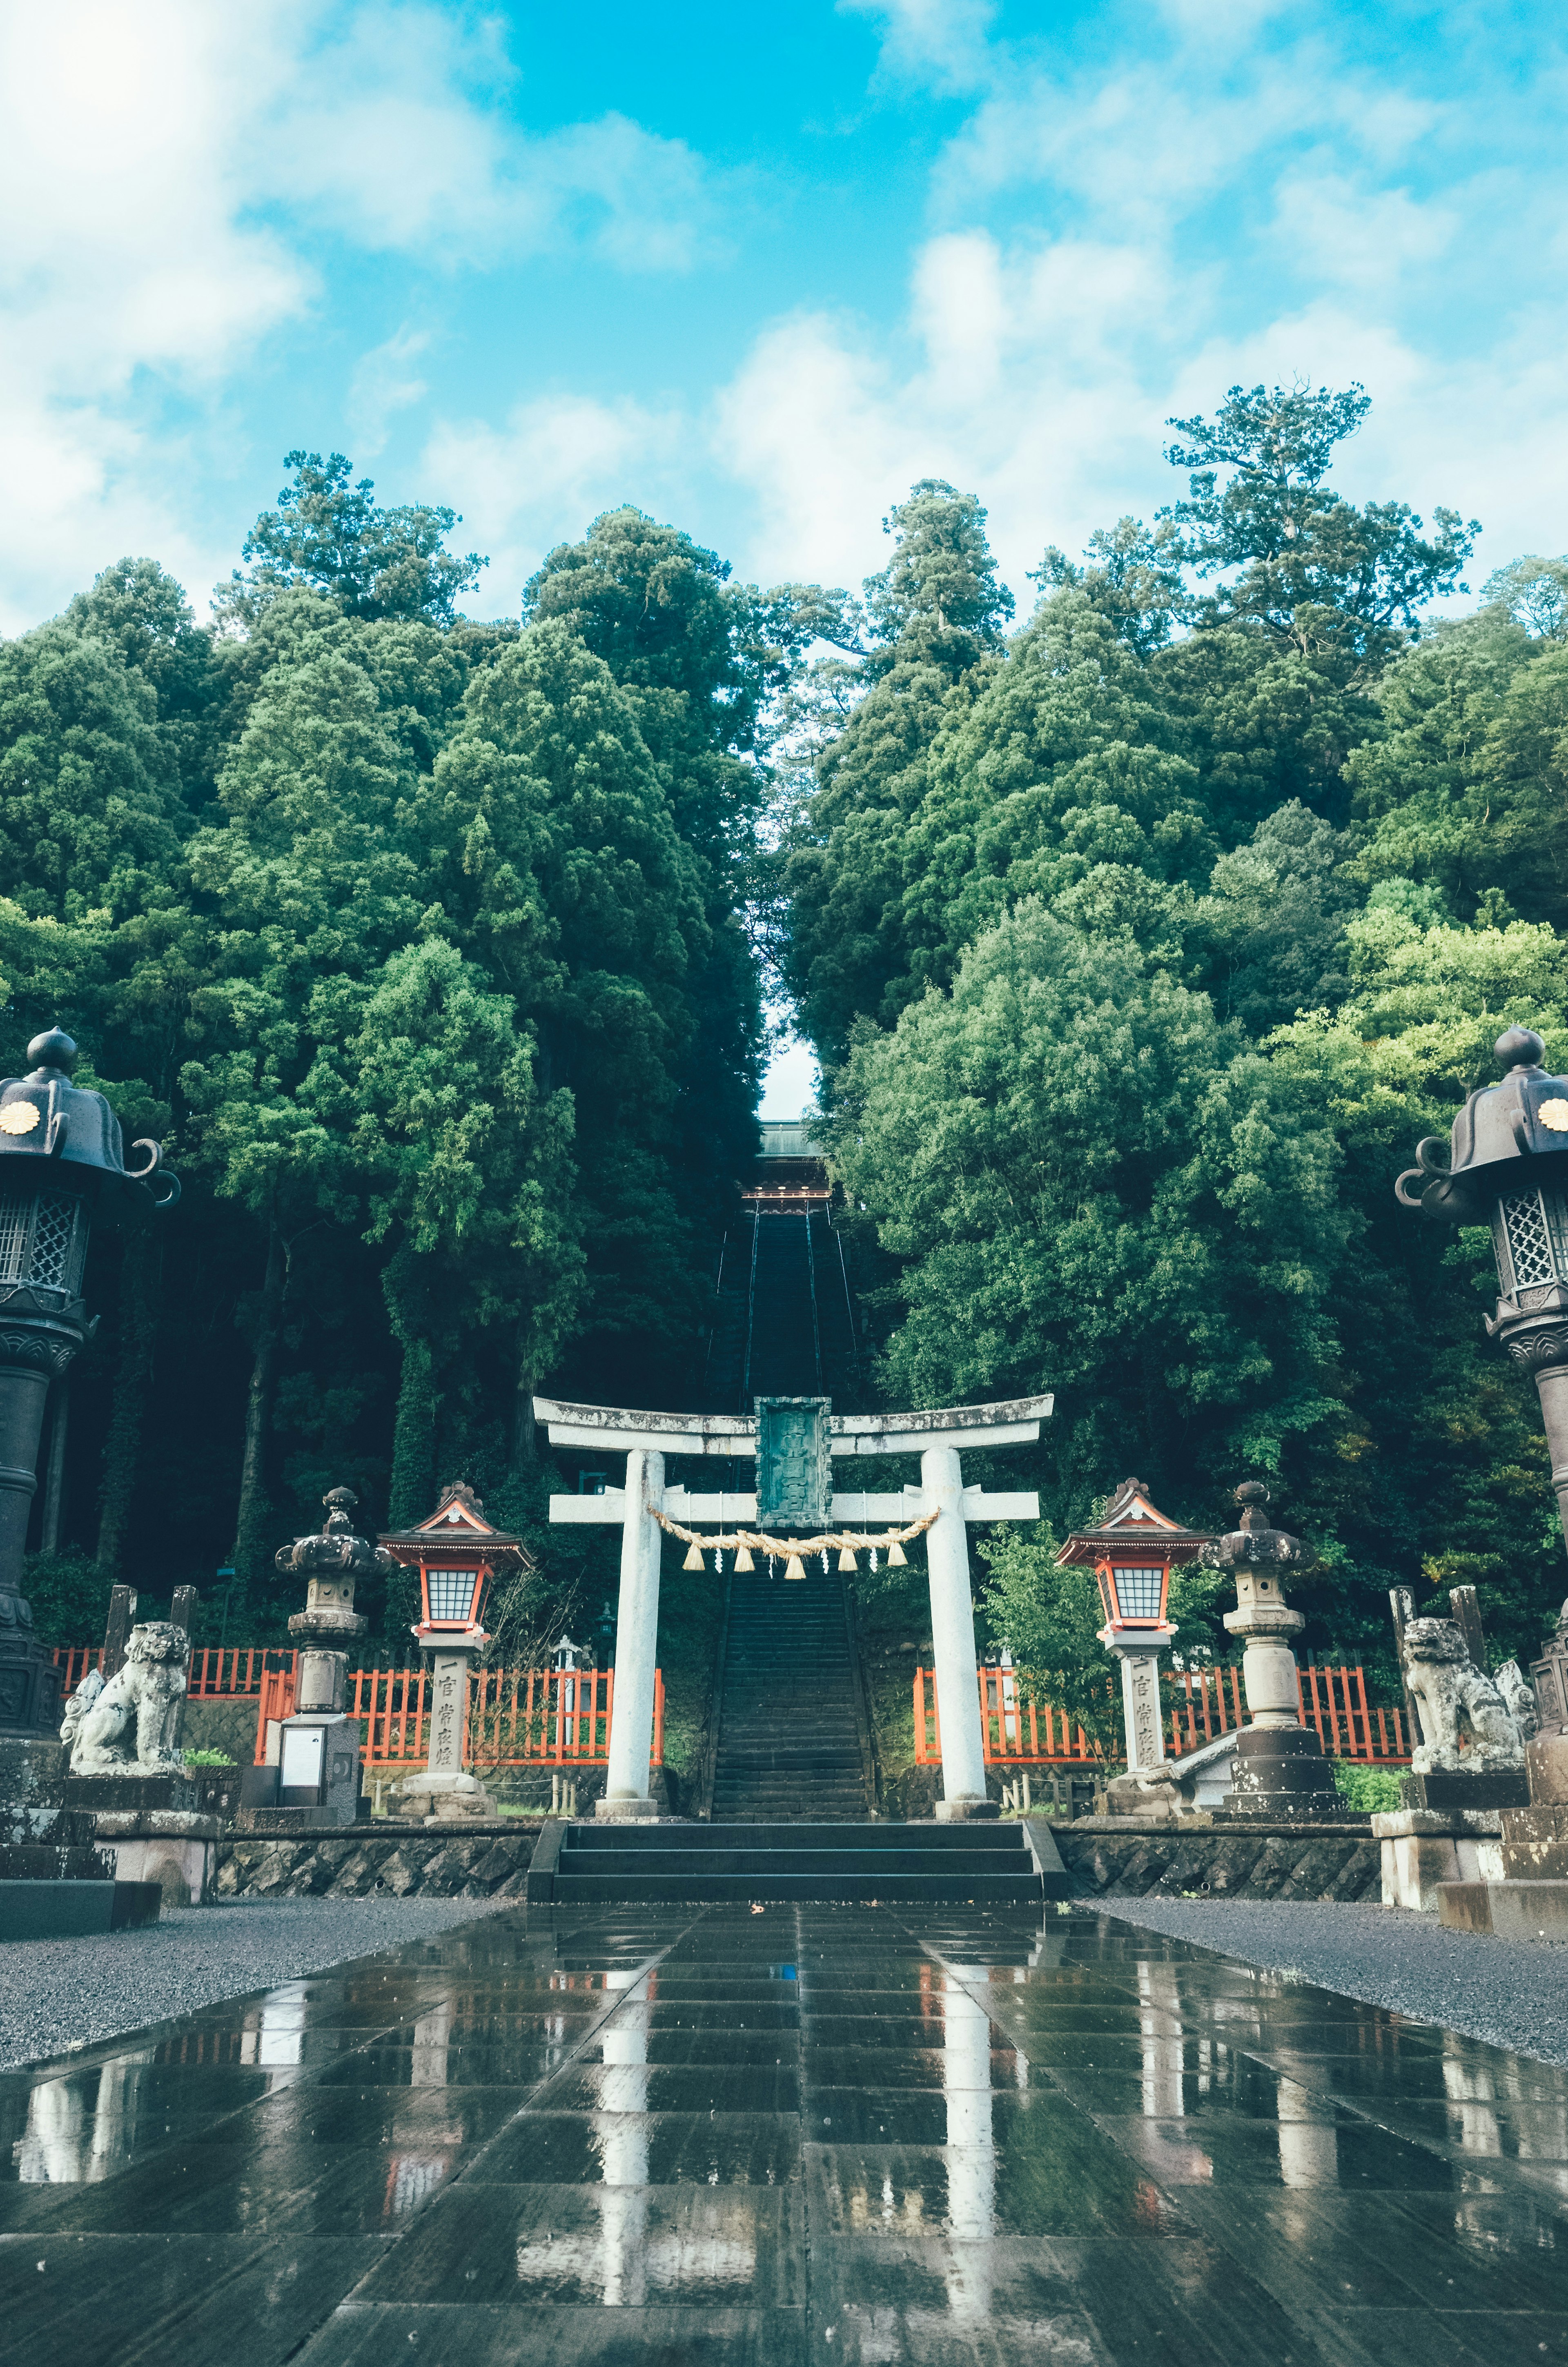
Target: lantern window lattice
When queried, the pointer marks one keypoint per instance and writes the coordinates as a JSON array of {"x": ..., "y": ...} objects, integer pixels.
[
  {"x": 43, "y": 1241},
  {"x": 451, "y": 1594},
  {"x": 1139, "y": 1591},
  {"x": 1530, "y": 1238}
]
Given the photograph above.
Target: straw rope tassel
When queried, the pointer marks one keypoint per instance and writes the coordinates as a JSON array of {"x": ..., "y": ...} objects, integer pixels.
[{"x": 794, "y": 1568}]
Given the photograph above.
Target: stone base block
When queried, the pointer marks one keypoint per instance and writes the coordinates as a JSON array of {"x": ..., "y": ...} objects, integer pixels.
[
  {"x": 1546, "y": 1767},
  {"x": 175, "y": 1851},
  {"x": 624, "y": 1808},
  {"x": 75, "y": 1910},
  {"x": 963, "y": 1812},
  {"x": 1535, "y": 1844},
  {"x": 1421, "y": 1850},
  {"x": 291, "y": 1820},
  {"x": 1445, "y": 1791},
  {"x": 32, "y": 1784},
  {"x": 55, "y": 1910},
  {"x": 1514, "y": 1910},
  {"x": 130, "y": 1793},
  {"x": 1280, "y": 1771}
]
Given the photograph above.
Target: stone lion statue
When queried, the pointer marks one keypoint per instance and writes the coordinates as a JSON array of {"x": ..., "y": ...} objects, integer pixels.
[
  {"x": 149, "y": 1690},
  {"x": 1452, "y": 1695}
]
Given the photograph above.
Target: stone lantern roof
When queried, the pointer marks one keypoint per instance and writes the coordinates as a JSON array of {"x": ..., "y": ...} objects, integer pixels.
[
  {"x": 1499, "y": 1141},
  {"x": 44, "y": 1118}
]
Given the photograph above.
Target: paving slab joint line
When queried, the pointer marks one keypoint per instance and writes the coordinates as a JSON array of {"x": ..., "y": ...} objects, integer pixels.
[{"x": 452, "y": 2185}]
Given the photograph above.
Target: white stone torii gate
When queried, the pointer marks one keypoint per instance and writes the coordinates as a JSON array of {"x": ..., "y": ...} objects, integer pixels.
[{"x": 646, "y": 1438}]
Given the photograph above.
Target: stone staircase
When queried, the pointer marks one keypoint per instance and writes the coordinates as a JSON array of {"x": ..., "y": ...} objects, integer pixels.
[
  {"x": 982, "y": 1863},
  {"x": 788, "y": 1740}
]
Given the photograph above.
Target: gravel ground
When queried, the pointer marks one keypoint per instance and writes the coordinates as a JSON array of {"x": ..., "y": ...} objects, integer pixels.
[
  {"x": 1504, "y": 1991},
  {"x": 59, "y": 1995}
]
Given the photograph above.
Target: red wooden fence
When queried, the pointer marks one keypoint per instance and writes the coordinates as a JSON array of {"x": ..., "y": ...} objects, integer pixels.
[
  {"x": 214, "y": 1675},
  {"x": 1016, "y": 1732},
  {"x": 516, "y": 1718}
]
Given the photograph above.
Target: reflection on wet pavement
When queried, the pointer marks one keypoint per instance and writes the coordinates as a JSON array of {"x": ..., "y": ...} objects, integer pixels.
[{"x": 815, "y": 2133}]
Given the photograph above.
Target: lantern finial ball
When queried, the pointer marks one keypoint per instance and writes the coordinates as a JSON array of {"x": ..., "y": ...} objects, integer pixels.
[
  {"x": 1520, "y": 1047},
  {"x": 53, "y": 1049}
]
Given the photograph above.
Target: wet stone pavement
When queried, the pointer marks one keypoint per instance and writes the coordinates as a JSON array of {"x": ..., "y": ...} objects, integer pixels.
[{"x": 761, "y": 2138}]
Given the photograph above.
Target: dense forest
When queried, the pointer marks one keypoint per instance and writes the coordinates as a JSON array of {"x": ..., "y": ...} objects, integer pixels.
[{"x": 1140, "y": 943}]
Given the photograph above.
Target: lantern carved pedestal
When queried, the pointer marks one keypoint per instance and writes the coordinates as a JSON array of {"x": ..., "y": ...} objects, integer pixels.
[{"x": 457, "y": 1552}]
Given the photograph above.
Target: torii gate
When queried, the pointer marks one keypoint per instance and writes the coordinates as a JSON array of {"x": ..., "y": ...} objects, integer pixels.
[{"x": 646, "y": 1438}]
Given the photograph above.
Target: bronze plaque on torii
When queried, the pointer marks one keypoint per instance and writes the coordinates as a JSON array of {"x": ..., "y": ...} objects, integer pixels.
[{"x": 794, "y": 1462}]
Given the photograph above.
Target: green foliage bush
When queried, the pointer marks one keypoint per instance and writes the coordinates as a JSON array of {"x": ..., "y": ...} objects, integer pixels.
[{"x": 1374, "y": 1789}]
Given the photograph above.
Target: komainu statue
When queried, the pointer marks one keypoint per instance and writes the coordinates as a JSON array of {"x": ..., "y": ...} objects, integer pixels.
[
  {"x": 1453, "y": 1697},
  {"x": 150, "y": 1690}
]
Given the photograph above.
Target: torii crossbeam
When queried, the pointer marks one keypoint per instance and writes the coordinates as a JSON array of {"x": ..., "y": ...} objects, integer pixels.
[{"x": 936, "y": 1436}]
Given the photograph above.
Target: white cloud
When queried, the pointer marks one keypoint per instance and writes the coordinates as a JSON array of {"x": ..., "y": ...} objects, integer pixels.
[
  {"x": 1124, "y": 241},
  {"x": 940, "y": 43},
  {"x": 383, "y": 385},
  {"x": 393, "y": 133},
  {"x": 538, "y": 479},
  {"x": 162, "y": 168}
]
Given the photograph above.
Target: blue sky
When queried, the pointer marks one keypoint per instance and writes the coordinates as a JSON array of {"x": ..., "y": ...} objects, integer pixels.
[{"x": 758, "y": 269}]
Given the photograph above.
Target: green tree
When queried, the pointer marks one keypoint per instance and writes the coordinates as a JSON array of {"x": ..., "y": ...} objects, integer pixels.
[
  {"x": 88, "y": 811},
  {"x": 1314, "y": 573},
  {"x": 426, "y": 1089},
  {"x": 1089, "y": 1189},
  {"x": 328, "y": 534},
  {"x": 546, "y": 833}
]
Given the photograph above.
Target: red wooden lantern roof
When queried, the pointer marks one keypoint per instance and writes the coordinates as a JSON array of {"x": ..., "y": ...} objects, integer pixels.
[
  {"x": 458, "y": 1532},
  {"x": 1132, "y": 1528}
]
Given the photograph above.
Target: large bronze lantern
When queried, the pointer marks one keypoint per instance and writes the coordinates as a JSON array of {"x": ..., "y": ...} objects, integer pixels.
[
  {"x": 62, "y": 1164},
  {"x": 1507, "y": 1168}
]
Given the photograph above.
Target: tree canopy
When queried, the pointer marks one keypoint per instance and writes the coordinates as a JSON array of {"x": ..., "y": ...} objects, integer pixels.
[{"x": 1140, "y": 939}]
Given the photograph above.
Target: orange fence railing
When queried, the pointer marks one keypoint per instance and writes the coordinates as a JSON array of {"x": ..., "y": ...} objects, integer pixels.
[
  {"x": 1208, "y": 1703},
  {"x": 1014, "y": 1732},
  {"x": 516, "y": 1718},
  {"x": 215, "y": 1675}
]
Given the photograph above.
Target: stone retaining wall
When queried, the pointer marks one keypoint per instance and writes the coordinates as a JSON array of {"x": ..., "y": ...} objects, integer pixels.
[
  {"x": 489, "y": 1862},
  {"x": 1106, "y": 1860}
]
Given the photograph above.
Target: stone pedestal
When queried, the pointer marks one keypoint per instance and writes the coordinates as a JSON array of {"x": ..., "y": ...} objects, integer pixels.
[
  {"x": 1424, "y": 1848},
  {"x": 438, "y": 1798},
  {"x": 311, "y": 1778},
  {"x": 1447, "y": 1791},
  {"x": 1530, "y": 1900},
  {"x": 1279, "y": 1769},
  {"x": 56, "y": 1882},
  {"x": 1280, "y": 1772},
  {"x": 171, "y": 1847}
]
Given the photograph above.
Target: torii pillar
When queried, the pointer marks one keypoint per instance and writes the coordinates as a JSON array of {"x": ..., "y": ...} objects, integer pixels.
[{"x": 937, "y": 1437}]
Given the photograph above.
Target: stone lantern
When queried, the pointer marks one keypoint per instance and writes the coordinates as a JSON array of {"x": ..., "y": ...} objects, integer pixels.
[
  {"x": 1279, "y": 1767},
  {"x": 318, "y": 1747},
  {"x": 1133, "y": 1552},
  {"x": 62, "y": 1164},
  {"x": 1507, "y": 1168},
  {"x": 457, "y": 1552}
]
